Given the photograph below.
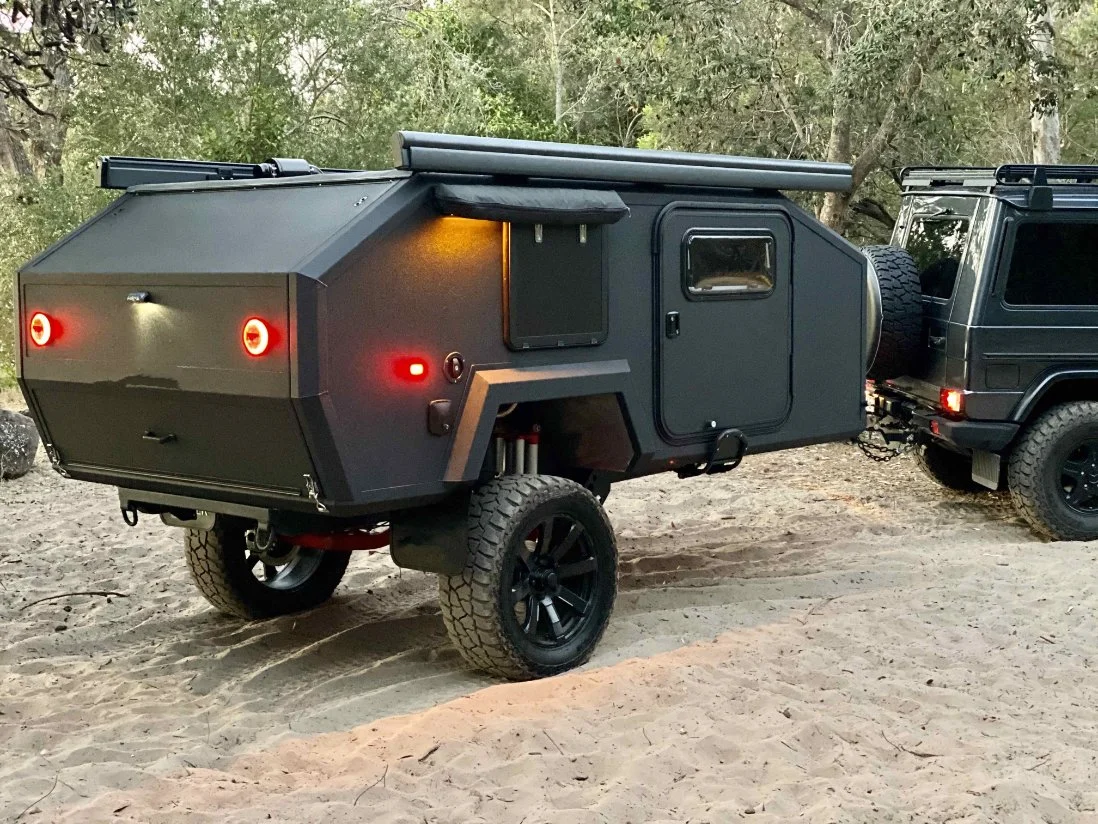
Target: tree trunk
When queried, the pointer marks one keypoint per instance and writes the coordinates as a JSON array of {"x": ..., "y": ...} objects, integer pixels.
[
  {"x": 13, "y": 156},
  {"x": 558, "y": 69},
  {"x": 833, "y": 211},
  {"x": 1045, "y": 120}
]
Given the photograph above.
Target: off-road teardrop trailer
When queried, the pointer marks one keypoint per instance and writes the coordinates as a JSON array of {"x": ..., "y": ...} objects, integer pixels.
[{"x": 455, "y": 358}]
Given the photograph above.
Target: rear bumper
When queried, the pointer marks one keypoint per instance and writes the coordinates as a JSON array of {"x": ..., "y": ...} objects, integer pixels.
[{"x": 982, "y": 436}]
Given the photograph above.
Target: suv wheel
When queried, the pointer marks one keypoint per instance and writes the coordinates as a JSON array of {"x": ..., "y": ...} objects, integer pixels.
[
  {"x": 538, "y": 588},
  {"x": 1053, "y": 473},
  {"x": 244, "y": 584},
  {"x": 948, "y": 468}
]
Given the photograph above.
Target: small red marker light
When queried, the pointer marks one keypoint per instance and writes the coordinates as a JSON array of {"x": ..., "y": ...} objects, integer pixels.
[
  {"x": 410, "y": 369},
  {"x": 257, "y": 337},
  {"x": 41, "y": 329},
  {"x": 952, "y": 400}
]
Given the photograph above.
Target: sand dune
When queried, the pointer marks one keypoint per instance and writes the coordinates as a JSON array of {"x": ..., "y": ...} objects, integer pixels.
[{"x": 813, "y": 637}]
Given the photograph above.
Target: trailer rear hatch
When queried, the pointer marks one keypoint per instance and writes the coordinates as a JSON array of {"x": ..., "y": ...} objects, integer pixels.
[{"x": 146, "y": 379}]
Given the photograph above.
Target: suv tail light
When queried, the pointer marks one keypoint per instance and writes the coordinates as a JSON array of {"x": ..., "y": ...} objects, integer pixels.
[{"x": 952, "y": 401}]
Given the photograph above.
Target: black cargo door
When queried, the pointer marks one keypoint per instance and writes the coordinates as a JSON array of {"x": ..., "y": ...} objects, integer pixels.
[{"x": 724, "y": 321}]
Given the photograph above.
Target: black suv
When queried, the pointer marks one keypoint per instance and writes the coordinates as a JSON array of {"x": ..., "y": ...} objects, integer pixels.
[{"x": 995, "y": 375}]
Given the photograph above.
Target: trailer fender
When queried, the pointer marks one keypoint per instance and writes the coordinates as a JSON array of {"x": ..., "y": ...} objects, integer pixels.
[{"x": 492, "y": 388}]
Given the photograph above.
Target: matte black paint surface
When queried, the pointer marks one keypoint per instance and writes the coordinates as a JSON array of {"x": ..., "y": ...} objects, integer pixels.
[{"x": 363, "y": 276}]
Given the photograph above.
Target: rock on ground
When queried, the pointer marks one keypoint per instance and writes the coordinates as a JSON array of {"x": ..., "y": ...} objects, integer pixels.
[{"x": 18, "y": 444}]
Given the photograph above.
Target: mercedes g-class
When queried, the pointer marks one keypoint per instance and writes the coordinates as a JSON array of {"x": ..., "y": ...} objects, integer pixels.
[{"x": 995, "y": 373}]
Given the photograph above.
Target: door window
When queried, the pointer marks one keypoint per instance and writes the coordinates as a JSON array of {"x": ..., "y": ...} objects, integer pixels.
[
  {"x": 937, "y": 245},
  {"x": 1053, "y": 265},
  {"x": 726, "y": 265}
]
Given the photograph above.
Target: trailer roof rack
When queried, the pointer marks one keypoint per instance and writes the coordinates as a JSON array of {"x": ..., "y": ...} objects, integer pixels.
[
  {"x": 124, "y": 172},
  {"x": 457, "y": 154}
]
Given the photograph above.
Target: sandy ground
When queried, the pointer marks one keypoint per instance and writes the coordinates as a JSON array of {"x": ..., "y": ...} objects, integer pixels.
[{"x": 813, "y": 637}]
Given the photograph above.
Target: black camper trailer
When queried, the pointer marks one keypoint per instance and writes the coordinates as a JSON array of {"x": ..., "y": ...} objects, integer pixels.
[{"x": 455, "y": 358}]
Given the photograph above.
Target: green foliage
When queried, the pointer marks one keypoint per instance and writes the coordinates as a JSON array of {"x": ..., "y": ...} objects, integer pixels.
[
  {"x": 34, "y": 216},
  {"x": 879, "y": 83}
]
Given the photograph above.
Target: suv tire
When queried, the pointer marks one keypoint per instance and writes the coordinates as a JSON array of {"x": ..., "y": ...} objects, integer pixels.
[
  {"x": 901, "y": 339},
  {"x": 222, "y": 569},
  {"x": 539, "y": 585},
  {"x": 948, "y": 468},
  {"x": 1053, "y": 473}
]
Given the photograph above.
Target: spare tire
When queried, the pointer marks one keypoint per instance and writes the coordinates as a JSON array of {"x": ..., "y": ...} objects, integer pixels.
[{"x": 894, "y": 279}]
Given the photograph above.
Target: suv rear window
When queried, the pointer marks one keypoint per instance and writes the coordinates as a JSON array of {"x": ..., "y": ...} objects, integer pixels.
[
  {"x": 1053, "y": 265},
  {"x": 937, "y": 245}
]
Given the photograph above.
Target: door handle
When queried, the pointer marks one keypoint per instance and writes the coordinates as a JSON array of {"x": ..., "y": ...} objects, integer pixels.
[
  {"x": 152, "y": 437},
  {"x": 935, "y": 340},
  {"x": 671, "y": 326}
]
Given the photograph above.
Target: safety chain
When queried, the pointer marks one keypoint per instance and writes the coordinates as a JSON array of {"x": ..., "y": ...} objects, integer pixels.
[{"x": 883, "y": 451}]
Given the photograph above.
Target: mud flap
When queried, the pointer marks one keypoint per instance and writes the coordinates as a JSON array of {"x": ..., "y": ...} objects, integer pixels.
[
  {"x": 986, "y": 468},
  {"x": 433, "y": 539}
]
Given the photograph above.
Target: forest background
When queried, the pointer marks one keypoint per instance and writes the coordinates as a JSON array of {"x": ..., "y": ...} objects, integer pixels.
[{"x": 880, "y": 84}]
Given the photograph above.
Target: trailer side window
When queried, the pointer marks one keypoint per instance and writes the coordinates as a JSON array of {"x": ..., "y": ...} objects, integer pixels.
[
  {"x": 555, "y": 286},
  {"x": 728, "y": 264},
  {"x": 1053, "y": 265}
]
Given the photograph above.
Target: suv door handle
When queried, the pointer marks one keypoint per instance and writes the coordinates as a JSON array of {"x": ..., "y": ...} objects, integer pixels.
[{"x": 160, "y": 439}]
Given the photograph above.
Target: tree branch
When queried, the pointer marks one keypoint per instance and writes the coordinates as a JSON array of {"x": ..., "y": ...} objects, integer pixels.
[{"x": 811, "y": 13}]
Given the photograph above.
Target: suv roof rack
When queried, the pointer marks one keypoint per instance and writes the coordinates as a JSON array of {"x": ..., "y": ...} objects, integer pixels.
[
  {"x": 1038, "y": 175},
  {"x": 935, "y": 177},
  {"x": 459, "y": 154}
]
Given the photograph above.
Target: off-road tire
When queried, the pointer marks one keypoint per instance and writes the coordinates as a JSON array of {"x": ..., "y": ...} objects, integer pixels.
[
  {"x": 218, "y": 563},
  {"x": 474, "y": 603},
  {"x": 901, "y": 345},
  {"x": 948, "y": 468},
  {"x": 1034, "y": 472}
]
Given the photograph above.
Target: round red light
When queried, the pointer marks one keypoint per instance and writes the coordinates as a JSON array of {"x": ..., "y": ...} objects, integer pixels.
[
  {"x": 41, "y": 329},
  {"x": 257, "y": 337}
]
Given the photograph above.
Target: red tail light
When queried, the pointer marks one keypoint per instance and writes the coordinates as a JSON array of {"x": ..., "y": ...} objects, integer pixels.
[
  {"x": 410, "y": 369},
  {"x": 257, "y": 337},
  {"x": 952, "y": 401},
  {"x": 41, "y": 329}
]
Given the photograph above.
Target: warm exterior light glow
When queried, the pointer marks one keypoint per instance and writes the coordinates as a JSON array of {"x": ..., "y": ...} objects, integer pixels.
[
  {"x": 257, "y": 337},
  {"x": 409, "y": 368},
  {"x": 953, "y": 400},
  {"x": 41, "y": 329}
]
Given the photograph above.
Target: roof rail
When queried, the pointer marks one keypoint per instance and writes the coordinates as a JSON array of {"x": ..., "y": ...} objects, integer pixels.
[
  {"x": 1040, "y": 175},
  {"x": 458, "y": 154}
]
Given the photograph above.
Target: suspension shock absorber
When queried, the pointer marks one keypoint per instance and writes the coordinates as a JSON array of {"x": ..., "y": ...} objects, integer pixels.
[{"x": 532, "y": 442}]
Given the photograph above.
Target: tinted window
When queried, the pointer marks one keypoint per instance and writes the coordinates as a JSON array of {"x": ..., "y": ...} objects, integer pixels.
[
  {"x": 937, "y": 246},
  {"x": 1054, "y": 264},
  {"x": 729, "y": 265}
]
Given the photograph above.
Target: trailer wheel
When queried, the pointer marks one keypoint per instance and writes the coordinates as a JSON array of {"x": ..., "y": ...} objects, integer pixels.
[
  {"x": 538, "y": 588},
  {"x": 254, "y": 586}
]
